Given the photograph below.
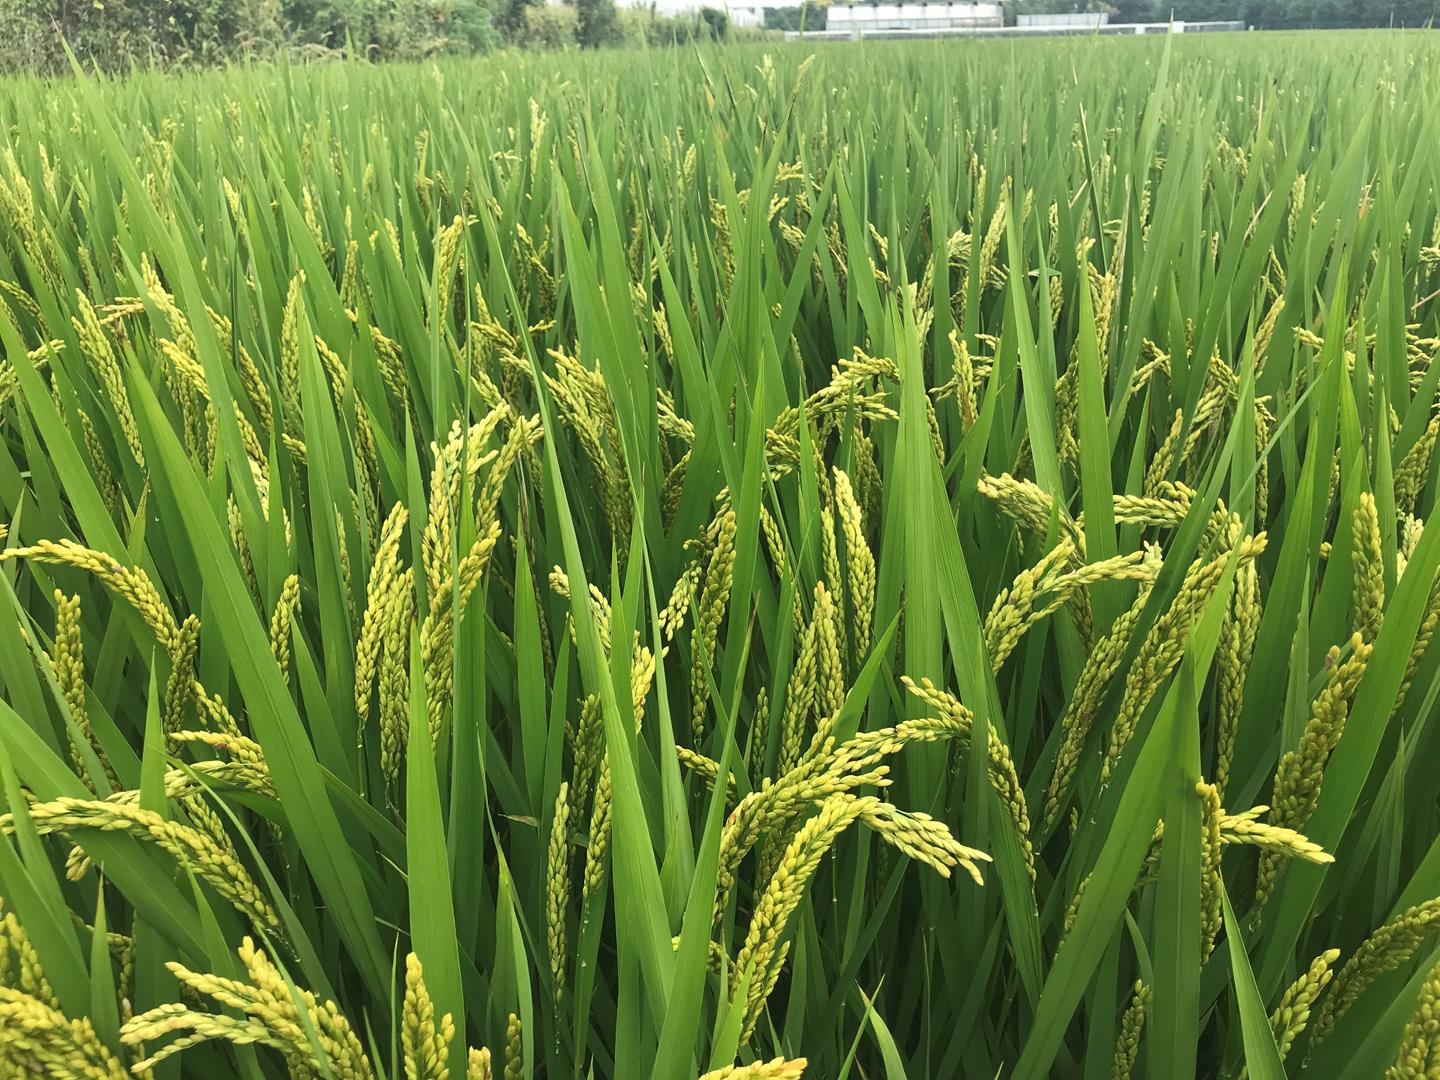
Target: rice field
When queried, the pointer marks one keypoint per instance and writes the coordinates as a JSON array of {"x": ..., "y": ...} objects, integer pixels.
[{"x": 871, "y": 561}]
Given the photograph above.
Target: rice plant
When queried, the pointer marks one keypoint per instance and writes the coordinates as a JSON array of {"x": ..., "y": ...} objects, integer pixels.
[{"x": 893, "y": 560}]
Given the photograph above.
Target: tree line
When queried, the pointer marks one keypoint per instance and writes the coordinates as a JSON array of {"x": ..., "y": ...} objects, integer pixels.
[{"x": 124, "y": 34}]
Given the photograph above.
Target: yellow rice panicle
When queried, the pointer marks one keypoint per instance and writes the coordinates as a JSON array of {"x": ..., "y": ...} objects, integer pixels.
[
  {"x": 774, "y": 1069},
  {"x": 1386, "y": 949},
  {"x": 1132, "y": 1025},
  {"x": 1419, "y": 1055},
  {"x": 1291, "y": 1016},
  {"x": 424, "y": 1041}
]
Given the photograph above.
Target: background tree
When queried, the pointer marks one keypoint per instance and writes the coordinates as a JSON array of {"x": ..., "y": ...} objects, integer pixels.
[
  {"x": 597, "y": 23},
  {"x": 806, "y": 16},
  {"x": 716, "y": 22}
]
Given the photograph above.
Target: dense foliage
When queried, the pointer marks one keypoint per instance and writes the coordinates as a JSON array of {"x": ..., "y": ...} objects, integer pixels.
[
  {"x": 911, "y": 557},
  {"x": 119, "y": 34},
  {"x": 807, "y": 16},
  {"x": 128, "y": 34}
]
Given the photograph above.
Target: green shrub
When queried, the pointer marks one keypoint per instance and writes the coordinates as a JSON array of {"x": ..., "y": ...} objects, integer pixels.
[
  {"x": 716, "y": 23},
  {"x": 806, "y": 16},
  {"x": 596, "y": 23},
  {"x": 549, "y": 26}
]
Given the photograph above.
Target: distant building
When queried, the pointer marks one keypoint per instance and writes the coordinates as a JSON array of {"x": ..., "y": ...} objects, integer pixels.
[
  {"x": 745, "y": 14},
  {"x": 849, "y": 22},
  {"x": 845, "y": 19},
  {"x": 1086, "y": 20},
  {"x": 865, "y": 18}
]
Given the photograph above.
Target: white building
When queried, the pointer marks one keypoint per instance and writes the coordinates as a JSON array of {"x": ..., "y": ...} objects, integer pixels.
[
  {"x": 862, "y": 18},
  {"x": 844, "y": 19},
  {"x": 850, "y": 21},
  {"x": 746, "y": 14},
  {"x": 1084, "y": 20}
]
